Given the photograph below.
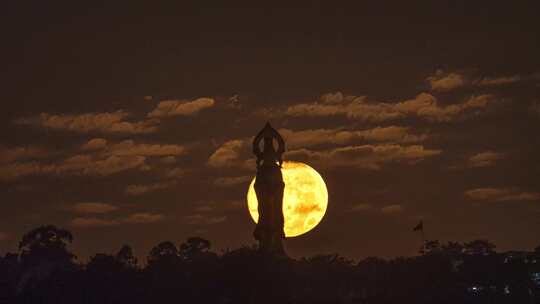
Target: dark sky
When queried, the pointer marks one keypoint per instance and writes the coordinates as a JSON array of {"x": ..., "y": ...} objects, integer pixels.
[{"x": 132, "y": 123}]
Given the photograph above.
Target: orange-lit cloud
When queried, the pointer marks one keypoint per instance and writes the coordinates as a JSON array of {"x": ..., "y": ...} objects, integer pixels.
[
  {"x": 360, "y": 207},
  {"x": 135, "y": 190},
  {"x": 501, "y": 194},
  {"x": 93, "y": 208},
  {"x": 442, "y": 81},
  {"x": 94, "y": 144},
  {"x": 390, "y": 209},
  {"x": 308, "y": 138},
  {"x": 181, "y": 107},
  {"x": 226, "y": 154},
  {"x": 424, "y": 105},
  {"x": 75, "y": 165},
  {"x": 494, "y": 81},
  {"x": 82, "y": 222},
  {"x": 143, "y": 218},
  {"x": 232, "y": 181},
  {"x": 484, "y": 159},
  {"x": 22, "y": 153},
  {"x": 364, "y": 156},
  {"x": 135, "y": 218},
  {"x": 130, "y": 148},
  {"x": 106, "y": 122},
  {"x": 199, "y": 219}
]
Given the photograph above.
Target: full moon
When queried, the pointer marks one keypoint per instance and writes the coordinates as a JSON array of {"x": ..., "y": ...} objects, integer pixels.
[{"x": 305, "y": 198}]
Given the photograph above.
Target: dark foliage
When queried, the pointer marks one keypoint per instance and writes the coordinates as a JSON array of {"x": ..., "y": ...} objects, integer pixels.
[{"x": 45, "y": 271}]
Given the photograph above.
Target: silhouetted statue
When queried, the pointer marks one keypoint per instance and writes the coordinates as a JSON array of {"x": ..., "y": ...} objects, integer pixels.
[{"x": 269, "y": 188}]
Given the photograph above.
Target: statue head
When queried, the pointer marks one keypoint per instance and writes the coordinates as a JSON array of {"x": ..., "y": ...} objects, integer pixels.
[{"x": 267, "y": 135}]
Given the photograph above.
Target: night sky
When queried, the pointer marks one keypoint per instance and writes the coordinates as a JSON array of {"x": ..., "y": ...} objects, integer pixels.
[{"x": 133, "y": 123}]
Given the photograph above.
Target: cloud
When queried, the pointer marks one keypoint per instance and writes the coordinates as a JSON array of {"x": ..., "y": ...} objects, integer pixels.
[
  {"x": 107, "y": 122},
  {"x": 484, "y": 159},
  {"x": 360, "y": 207},
  {"x": 130, "y": 148},
  {"x": 175, "y": 173},
  {"x": 390, "y": 209},
  {"x": 110, "y": 160},
  {"x": 143, "y": 218},
  {"x": 501, "y": 194},
  {"x": 87, "y": 165},
  {"x": 75, "y": 165},
  {"x": 8, "y": 155},
  {"x": 135, "y": 190},
  {"x": 442, "y": 81},
  {"x": 232, "y": 181},
  {"x": 494, "y": 81},
  {"x": 82, "y": 222},
  {"x": 364, "y": 156},
  {"x": 93, "y": 208},
  {"x": 204, "y": 208},
  {"x": 94, "y": 144},
  {"x": 424, "y": 105},
  {"x": 226, "y": 154},
  {"x": 181, "y": 107},
  {"x": 199, "y": 219},
  {"x": 308, "y": 138},
  {"x": 135, "y": 218}
]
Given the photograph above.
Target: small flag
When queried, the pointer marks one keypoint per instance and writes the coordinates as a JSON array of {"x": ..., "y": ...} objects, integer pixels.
[{"x": 419, "y": 227}]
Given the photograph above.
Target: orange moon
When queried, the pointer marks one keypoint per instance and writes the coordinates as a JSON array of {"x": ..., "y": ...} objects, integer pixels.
[{"x": 305, "y": 198}]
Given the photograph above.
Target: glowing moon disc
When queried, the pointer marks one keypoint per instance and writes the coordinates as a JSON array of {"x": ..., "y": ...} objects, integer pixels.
[{"x": 305, "y": 198}]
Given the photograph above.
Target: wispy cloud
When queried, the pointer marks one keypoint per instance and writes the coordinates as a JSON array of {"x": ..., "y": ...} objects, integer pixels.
[
  {"x": 135, "y": 218},
  {"x": 82, "y": 164},
  {"x": 130, "y": 148},
  {"x": 93, "y": 208},
  {"x": 94, "y": 144},
  {"x": 494, "y": 81},
  {"x": 501, "y": 194},
  {"x": 391, "y": 209},
  {"x": 442, "y": 81},
  {"x": 308, "y": 138},
  {"x": 227, "y": 154},
  {"x": 140, "y": 189},
  {"x": 360, "y": 207},
  {"x": 199, "y": 219},
  {"x": 424, "y": 105},
  {"x": 22, "y": 153},
  {"x": 181, "y": 107},
  {"x": 484, "y": 159},
  {"x": 106, "y": 122},
  {"x": 364, "y": 156},
  {"x": 232, "y": 181}
]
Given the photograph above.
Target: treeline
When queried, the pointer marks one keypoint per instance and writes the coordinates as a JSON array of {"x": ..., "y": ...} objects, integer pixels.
[{"x": 45, "y": 271}]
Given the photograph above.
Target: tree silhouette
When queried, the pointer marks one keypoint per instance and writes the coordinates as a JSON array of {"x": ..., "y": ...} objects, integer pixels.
[
  {"x": 450, "y": 272},
  {"x": 46, "y": 243},
  {"x": 194, "y": 247},
  {"x": 126, "y": 257},
  {"x": 479, "y": 247}
]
